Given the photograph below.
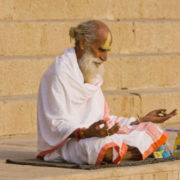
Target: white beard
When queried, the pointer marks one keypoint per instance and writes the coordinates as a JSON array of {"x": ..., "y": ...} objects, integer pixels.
[{"x": 91, "y": 67}]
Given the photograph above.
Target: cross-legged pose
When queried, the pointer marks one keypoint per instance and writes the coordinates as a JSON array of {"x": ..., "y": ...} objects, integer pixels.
[{"x": 74, "y": 124}]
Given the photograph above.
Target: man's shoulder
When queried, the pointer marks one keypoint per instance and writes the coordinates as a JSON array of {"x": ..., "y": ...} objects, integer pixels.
[
  {"x": 68, "y": 54},
  {"x": 61, "y": 63}
]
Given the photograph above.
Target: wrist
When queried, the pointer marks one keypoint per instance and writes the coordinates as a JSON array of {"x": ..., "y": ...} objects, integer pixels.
[
  {"x": 82, "y": 133},
  {"x": 85, "y": 133},
  {"x": 79, "y": 134},
  {"x": 142, "y": 119}
]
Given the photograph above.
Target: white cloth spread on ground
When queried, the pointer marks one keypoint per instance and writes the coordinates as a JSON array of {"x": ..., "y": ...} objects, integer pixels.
[{"x": 66, "y": 103}]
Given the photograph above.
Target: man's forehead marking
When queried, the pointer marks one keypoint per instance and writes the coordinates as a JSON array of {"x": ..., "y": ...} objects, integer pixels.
[{"x": 107, "y": 44}]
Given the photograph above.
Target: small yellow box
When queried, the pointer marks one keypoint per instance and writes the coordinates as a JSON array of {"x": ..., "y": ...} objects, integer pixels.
[{"x": 176, "y": 151}]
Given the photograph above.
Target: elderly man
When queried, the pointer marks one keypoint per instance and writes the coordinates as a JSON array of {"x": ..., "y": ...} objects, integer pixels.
[{"x": 73, "y": 121}]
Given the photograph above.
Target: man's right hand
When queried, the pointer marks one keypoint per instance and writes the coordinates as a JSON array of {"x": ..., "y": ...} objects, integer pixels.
[{"x": 95, "y": 130}]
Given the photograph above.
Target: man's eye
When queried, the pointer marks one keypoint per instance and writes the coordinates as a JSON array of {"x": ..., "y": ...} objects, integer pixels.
[{"x": 101, "y": 49}]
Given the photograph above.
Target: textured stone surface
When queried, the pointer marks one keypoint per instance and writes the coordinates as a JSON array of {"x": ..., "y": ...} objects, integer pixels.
[
  {"x": 25, "y": 147},
  {"x": 142, "y": 72},
  {"x": 70, "y": 9},
  {"x": 22, "y": 76},
  {"x": 160, "y": 176},
  {"x": 33, "y": 38},
  {"x": 123, "y": 104},
  {"x": 155, "y": 100},
  {"x": 17, "y": 117},
  {"x": 148, "y": 177},
  {"x": 139, "y": 72},
  {"x": 23, "y": 39},
  {"x": 145, "y": 37},
  {"x": 173, "y": 175}
]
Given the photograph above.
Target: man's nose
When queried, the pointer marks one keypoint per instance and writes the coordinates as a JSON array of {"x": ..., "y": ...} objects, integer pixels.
[{"x": 103, "y": 56}]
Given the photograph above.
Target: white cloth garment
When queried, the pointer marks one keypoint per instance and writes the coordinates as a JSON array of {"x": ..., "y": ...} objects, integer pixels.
[{"x": 66, "y": 103}]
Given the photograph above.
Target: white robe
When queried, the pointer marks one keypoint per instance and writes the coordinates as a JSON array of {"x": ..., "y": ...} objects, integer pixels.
[{"x": 66, "y": 103}]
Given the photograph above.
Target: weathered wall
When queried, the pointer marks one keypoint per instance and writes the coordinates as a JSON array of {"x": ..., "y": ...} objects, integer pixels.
[{"x": 142, "y": 72}]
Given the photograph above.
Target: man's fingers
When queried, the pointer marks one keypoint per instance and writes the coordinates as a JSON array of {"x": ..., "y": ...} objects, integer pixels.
[
  {"x": 173, "y": 113},
  {"x": 105, "y": 126},
  {"x": 161, "y": 111},
  {"x": 164, "y": 118},
  {"x": 100, "y": 124},
  {"x": 134, "y": 123},
  {"x": 114, "y": 129}
]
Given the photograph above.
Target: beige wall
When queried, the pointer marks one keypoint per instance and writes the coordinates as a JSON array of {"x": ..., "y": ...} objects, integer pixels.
[{"x": 142, "y": 72}]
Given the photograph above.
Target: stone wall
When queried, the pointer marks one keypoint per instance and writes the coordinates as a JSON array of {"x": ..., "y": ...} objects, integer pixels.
[{"x": 142, "y": 72}]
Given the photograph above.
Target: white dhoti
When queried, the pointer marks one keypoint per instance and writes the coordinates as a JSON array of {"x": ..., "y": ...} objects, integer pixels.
[{"x": 66, "y": 103}]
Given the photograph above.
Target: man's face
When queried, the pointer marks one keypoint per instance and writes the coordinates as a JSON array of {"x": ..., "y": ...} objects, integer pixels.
[
  {"x": 101, "y": 46},
  {"x": 91, "y": 63}
]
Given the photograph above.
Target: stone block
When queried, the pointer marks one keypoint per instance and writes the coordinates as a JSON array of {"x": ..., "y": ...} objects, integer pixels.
[
  {"x": 70, "y": 9},
  {"x": 141, "y": 72},
  {"x": 147, "y": 177},
  {"x": 160, "y": 176},
  {"x": 22, "y": 76},
  {"x": 136, "y": 177},
  {"x": 150, "y": 72},
  {"x": 123, "y": 104},
  {"x": 138, "y": 9},
  {"x": 145, "y": 37},
  {"x": 17, "y": 117},
  {"x": 24, "y": 39},
  {"x": 112, "y": 74},
  {"x": 173, "y": 175}
]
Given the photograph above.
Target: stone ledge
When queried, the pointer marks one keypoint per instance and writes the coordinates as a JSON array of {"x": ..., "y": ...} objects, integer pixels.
[
  {"x": 116, "y": 9},
  {"x": 25, "y": 147}
]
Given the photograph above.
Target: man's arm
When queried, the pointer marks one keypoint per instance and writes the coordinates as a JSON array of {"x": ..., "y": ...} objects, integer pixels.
[
  {"x": 156, "y": 116},
  {"x": 95, "y": 130}
]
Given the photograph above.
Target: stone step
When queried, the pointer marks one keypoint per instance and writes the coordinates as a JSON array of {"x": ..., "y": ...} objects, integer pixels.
[
  {"x": 18, "y": 116},
  {"x": 25, "y": 148},
  {"x": 121, "y": 72},
  {"x": 51, "y": 38},
  {"x": 18, "y": 113},
  {"x": 68, "y": 10}
]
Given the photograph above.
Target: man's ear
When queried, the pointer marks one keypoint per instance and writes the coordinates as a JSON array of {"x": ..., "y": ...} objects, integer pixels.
[{"x": 82, "y": 44}]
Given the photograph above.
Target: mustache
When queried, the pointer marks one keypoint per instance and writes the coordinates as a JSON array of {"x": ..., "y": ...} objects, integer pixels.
[
  {"x": 91, "y": 67},
  {"x": 97, "y": 61}
]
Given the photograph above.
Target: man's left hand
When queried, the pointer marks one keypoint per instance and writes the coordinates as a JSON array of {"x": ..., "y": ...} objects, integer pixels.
[{"x": 156, "y": 116}]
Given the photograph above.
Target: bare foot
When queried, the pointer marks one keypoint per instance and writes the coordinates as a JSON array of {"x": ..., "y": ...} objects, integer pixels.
[{"x": 133, "y": 154}]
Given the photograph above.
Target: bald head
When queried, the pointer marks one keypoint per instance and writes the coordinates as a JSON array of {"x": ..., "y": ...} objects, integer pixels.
[
  {"x": 89, "y": 31},
  {"x": 93, "y": 36}
]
